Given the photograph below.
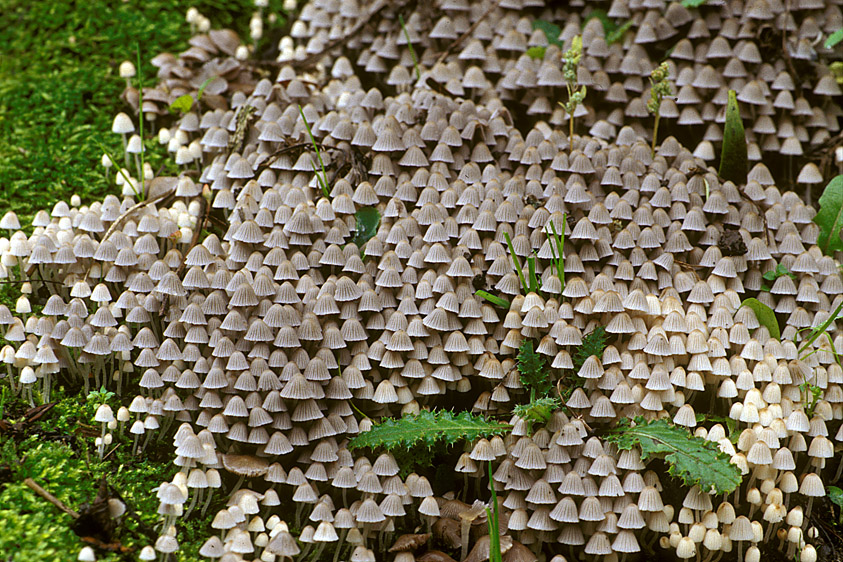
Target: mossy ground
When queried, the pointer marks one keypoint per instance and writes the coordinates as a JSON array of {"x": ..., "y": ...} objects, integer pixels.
[{"x": 59, "y": 91}]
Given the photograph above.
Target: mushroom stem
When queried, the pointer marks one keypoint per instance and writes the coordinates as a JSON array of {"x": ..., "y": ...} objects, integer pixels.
[
  {"x": 207, "y": 502},
  {"x": 11, "y": 378},
  {"x": 807, "y": 517},
  {"x": 343, "y": 533},
  {"x": 125, "y": 145},
  {"x": 196, "y": 495}
]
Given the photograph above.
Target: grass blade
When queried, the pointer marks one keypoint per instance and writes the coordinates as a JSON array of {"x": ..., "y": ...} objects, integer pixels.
[
  {"x": 517, "y": 263},
  {"x": 494, "y": 299},
  {"x": 323, "y": 179}
]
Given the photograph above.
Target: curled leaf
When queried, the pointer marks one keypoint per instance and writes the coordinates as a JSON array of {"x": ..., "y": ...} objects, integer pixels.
[
  {"x": 733, "y": 156},
  {"x": 765, "y": 316}
]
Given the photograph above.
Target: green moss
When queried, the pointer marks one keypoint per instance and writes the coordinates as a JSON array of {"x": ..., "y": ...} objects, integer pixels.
[
  {"x": 60, "y": 88},
  {"x": 59, "y": 91}
]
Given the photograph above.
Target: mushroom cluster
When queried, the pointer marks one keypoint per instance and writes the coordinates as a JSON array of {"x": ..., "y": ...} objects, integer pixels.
[{"x": 254, "y": 346}]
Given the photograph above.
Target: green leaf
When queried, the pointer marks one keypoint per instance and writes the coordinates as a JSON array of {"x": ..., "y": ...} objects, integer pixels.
[
  {"x": 821, "y": 329},
  {"x": 835, "y": 494},
  {"x": 830, "y": 217},
  {"x": 427, "y": 428},
  {"x": 182, "y": 104},
  {"x": 536, "y": 53},
  {"x": 765, "y": 316},
  {"x": 692, "y": 459},
  {"x": 366, "y": 221},
  {"x": 834, "y": 39},
  {"x": 494, "y": 299},
  {"x": 539, "y": 410},
  {"x": 733, "y": 158},
  {"x": 693, "y": 3},
  {"x": 551, "y": 31}
]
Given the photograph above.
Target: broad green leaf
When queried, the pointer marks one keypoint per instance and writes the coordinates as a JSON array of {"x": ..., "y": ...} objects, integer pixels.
[
  {"x": 693, "y": 3},
  {"x": 182, "y": 104},
  {"x": 835, "y": 494},
  {"x": 692, "y": 459},
  {"x": 733, "y": 158},
  {"x": 494, "y": 299},
  {"x": 536, "y": 53},
  {"x": 427, "y": 428},
  {"x": 834, "y": 39},
  {"x": 551, "y": 31},
  {"x": 830, "y": 217},
  {"x": 765, "y": 316},
  {"x": 366, "y": 222}
]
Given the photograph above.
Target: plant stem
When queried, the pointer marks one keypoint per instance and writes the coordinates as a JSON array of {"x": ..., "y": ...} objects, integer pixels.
[
  {"x": 655, "y": 134},
  {"x": 140, "y": 124}
]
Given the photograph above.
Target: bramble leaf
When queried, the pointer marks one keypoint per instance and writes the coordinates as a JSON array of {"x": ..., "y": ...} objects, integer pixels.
[
  {"x": 427, "y": 428},
  {"x": 765, "y": 316},
  {"x": 533, "y": 369},
  {"x": 692, "y": 459},
  {"x": 733, "y": 157},
  {"x": 593, "y": 343},
  {"x": 366, "y": 222},
  {"x": 830, "y": 217}
]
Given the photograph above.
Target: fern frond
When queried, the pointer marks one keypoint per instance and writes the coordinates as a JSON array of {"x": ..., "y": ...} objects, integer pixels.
[
  {"x": 593, "y": 343},
  {"x": 428, "y": 428}
]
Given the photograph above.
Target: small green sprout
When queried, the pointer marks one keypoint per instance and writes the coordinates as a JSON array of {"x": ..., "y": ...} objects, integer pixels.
[
  {"x": 774, "y": 274},
  {"x": 659, "y": 89},
  {"x": 410, "y": 47},
  {"x": 576, "y": 93},
  {"x": 557, "y": 243},
  {"x": 322, "y": 179}
]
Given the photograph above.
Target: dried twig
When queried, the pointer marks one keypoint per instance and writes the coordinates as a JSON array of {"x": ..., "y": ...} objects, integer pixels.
[
  {"x": 49, "y": 497},
  {"x": 467, "y": 33}
]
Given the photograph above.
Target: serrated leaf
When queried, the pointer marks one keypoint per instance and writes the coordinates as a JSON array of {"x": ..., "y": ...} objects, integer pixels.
[
  {"x": 551, "y": 31},
  {"x": 366, "y": 222},
  {"x": 692, "y": 459},
  {"x": 593, "y": 343},
  {"x": 733, "y": 157},
  {"x": 834, "y": 39},
  {"x": 830, "y": 217},
  {"x": 182, "y": 104},
  {"x": 427, "y": 428},
  {"x": 765, "y": 316}
]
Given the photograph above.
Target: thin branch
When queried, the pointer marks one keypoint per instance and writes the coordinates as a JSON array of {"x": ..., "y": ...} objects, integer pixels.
[
  {"x": 467, "y": 33},
  {"x": 49, "y": 497}
]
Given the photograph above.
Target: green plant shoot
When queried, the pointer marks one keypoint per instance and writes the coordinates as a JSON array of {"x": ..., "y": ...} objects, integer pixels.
[
  {"x": 576, "y": 95},
  {"x": 659, "y": 89},
  {"x": 410, "y": 47},
  {"x": 557, "y": 251},
  {"x": 493, "y": 521},
  {"x": 733, "y": 155},
  {"x": 494, "y": 299},
  {"x": 323, "y": 179}
]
